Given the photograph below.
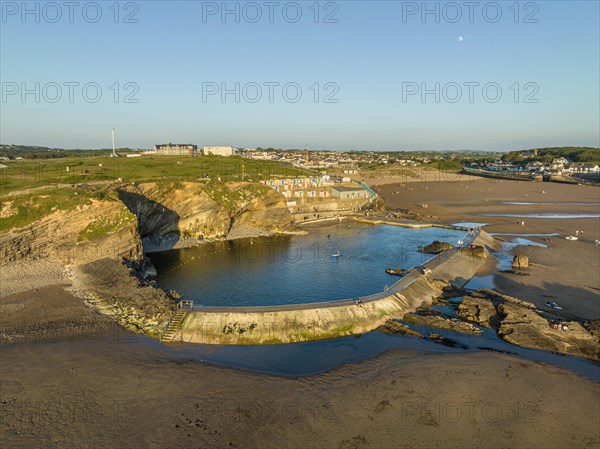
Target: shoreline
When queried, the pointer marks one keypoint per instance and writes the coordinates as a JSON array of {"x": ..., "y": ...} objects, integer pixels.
[{"x": 182, "y": 243}]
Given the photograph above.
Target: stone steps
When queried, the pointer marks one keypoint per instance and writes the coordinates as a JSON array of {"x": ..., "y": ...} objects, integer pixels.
[{"x": 173, "y": 326}]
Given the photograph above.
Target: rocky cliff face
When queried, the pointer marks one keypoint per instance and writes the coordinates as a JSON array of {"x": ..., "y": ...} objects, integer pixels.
[
  {"x": 115, "y": 224},
  {"x": 204, "y": 211},
  {"x": 91, "y": 231}
]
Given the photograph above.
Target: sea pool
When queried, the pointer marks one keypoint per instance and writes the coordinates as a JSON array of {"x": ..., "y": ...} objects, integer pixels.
[{"x": 296, "y": 269}]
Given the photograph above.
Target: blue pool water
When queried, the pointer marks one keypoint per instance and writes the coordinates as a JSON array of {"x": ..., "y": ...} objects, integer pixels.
[{"x": 296, "y": 269}]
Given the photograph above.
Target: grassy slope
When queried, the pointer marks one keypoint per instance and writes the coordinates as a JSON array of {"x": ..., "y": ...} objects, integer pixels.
[{"x": 26, "y": 174}]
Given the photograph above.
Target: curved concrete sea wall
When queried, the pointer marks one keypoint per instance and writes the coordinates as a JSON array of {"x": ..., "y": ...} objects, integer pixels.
[{"x": 317, "y": 321}]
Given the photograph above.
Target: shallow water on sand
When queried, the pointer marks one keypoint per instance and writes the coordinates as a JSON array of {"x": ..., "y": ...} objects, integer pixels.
[
  {"x": 525, "y": 203},
  {"x": 470, "y": 224},
  {"x": 544, "y": 215},
  {"x": 303, "y": 359}
]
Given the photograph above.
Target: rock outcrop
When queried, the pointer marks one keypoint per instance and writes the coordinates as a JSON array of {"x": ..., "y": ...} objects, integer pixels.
[
  {"x": 525, "y": 327},
  {"x": 436, "y": 247},
  {"x": 520, "y": 261},
  {"x": 440, "y": 321},
  {"x": 396, "y": 271},
  {"x": 396, "y": 327},
  {"x": 477, "y": 310},
  {"x": 519, "y": 322},
  {"x": 113, "y": 289},
  {"x": 474, "y": 251}
]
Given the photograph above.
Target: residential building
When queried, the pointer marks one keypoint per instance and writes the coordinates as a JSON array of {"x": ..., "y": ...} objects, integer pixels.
[
  {"x": 349, "y": 192},
  {"x": 221, "y": 151},
  {"x": 171, "y": 149}
]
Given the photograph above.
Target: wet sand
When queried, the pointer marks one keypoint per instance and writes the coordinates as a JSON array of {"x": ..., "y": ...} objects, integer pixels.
[
  {"x": 105, "y": 389},
  {"x": 115, "y": 393}
]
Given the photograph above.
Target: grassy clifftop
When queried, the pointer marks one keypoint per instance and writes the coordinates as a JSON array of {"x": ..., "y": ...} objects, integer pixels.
[
  {"x": 20, "y": 210},
  {"x": 26, "y": 174}
]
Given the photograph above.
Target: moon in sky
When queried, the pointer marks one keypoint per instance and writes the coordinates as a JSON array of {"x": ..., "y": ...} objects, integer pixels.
[{"x": 460, "y": 38}]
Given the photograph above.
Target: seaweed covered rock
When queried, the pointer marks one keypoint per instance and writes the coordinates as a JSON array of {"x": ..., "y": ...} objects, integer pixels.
[
  {"x": 396, "y": 271},
  {"x": 395, "y": 327},
  {"x": 436, "y": 247},
  {"x": 477, "y": 251}
]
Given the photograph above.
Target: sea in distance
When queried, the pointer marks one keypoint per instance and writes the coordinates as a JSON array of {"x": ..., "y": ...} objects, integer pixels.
[{"x": 296, "y": 269}]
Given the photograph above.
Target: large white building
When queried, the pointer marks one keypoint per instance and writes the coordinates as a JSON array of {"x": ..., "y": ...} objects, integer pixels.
[
  {"x": 177, "y": 149},
  {"x": 221, "y": 151}
]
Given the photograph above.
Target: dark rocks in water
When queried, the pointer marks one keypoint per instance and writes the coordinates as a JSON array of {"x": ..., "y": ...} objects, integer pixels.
[
  {"x": 433, "y": 318},
  {"x": 396, "y": 271},
  {"x": 476, "y": 251},
  {"x": 175, "y": 296},
  {"x": 517, "y": 273},
  {"x": 395, "y": 327},
  {"x": 446, "y": 341},
  {"x": 520, "y": 261},
  {"x": 436, "y": 247},
  {"x": 143, "y": 269},
  {"x": 150, "y": 272}
]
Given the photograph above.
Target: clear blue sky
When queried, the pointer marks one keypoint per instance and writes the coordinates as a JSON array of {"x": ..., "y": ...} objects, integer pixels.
[{"x": 373, "y": 50}]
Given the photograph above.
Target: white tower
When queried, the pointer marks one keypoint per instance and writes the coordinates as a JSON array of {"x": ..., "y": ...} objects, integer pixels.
[{"x": 114, "y": 154}]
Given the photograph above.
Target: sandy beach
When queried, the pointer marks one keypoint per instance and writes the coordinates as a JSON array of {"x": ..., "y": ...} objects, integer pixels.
[
  {"x": 89, "y": 383},
  {"x": 565, "y": 272},
  {"x": 112, "y": 392}
]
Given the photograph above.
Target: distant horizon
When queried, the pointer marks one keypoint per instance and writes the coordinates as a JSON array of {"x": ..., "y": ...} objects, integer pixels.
[{"x": 107, "y": 148}]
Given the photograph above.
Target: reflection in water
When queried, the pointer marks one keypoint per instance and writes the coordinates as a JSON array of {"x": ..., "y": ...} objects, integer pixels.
[
  {"x": 567, "y": 203},
  {"x": 544, "y": 215},
  {"x": 303, "y": 359},
  {"x": 296, "y": 269}
]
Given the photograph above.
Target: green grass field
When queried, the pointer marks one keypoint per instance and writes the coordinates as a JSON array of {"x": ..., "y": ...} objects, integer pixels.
[{"x": 30, "y": 173}]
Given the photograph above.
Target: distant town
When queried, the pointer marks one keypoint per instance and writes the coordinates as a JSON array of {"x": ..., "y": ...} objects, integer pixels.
[{"x": 544, "y": 162}]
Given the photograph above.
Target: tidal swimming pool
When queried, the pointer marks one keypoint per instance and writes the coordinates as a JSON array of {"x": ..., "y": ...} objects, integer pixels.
[{"x": 296, "y": 269}]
